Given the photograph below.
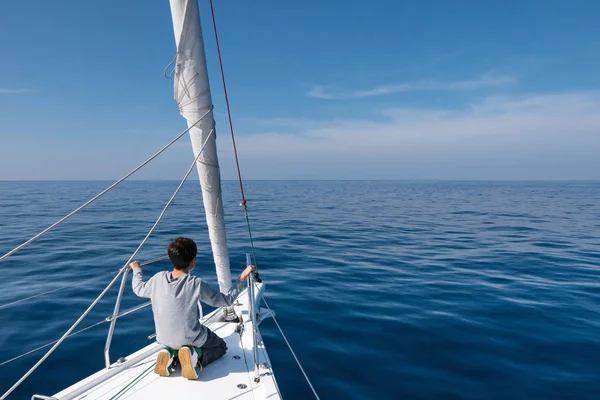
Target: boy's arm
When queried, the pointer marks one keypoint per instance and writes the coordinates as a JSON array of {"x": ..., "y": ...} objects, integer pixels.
[
  {"x": 140, "y": 288},
  {"x": 214, "y": 298}
]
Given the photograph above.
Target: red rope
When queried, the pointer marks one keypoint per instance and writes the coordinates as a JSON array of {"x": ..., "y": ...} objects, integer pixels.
[{"x": 237, "y": 163}]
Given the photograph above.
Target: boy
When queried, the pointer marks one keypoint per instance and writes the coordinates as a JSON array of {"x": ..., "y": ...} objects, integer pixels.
[{"x": 174, "y": 296}]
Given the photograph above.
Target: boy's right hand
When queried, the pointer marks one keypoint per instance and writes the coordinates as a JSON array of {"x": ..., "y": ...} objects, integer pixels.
[
  {"x": 135, "y": 265},
  {"x": 249, "y": 270}
]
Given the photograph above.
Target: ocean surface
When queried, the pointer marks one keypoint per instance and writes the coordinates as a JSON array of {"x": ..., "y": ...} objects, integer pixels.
[{"x": 386, "y": 290}]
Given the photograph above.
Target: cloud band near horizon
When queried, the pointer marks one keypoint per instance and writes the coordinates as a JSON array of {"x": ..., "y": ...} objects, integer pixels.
[{"x": 331, "y": 92}]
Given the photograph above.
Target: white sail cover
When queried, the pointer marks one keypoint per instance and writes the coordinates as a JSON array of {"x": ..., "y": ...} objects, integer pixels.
[{"x": 192, "y": 94}]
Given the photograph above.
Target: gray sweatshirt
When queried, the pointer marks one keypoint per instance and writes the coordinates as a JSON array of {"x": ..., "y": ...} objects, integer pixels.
[{"x": 175, "y": 305}]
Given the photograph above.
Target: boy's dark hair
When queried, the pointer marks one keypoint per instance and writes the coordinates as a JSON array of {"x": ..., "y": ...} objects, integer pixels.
[{"x": 181, "y": 252}]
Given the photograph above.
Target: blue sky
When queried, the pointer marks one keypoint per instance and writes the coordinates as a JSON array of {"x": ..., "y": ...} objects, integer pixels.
[{"x": 319, "y": 89}]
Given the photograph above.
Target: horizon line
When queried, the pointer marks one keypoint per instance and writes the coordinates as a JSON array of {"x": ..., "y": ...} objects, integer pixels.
[{"x": 322, "y": 180}]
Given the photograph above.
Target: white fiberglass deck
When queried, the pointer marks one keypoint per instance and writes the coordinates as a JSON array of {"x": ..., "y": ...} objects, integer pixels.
[{"x": 231, "y": 377}]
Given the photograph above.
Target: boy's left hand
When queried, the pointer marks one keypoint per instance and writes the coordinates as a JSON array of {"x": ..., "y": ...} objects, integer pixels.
[
  {"x": 249, "y": 269},
  {"x": 135, "y": 265}
]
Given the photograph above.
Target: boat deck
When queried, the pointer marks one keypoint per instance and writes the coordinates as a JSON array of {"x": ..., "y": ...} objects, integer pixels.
[{"x": 231, "y": 377}]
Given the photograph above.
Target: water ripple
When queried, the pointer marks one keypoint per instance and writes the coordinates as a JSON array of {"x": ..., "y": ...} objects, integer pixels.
[{"x": 387, "y": 290}]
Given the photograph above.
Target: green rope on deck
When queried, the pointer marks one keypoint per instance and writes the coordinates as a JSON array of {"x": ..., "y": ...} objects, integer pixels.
[{"x": 133, "y": 382}]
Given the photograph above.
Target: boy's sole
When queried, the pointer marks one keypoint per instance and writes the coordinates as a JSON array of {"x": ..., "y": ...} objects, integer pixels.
[
  {"x": 162, "y": 364},
  {"x": 187, "y": 369}
]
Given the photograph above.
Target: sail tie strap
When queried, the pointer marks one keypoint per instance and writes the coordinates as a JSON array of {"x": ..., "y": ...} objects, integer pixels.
[{"x": 170, "y": 74}]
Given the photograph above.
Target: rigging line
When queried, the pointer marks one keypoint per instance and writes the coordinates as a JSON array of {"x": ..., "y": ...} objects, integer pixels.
[
  {"x": 48, "y": 344},
  {"x": 250, "y": 235},
  {"x": 12, "y": 303},
  {"x": 227, "y": 101},
  {"x": 291, "y": 350},
  {"x": 122, "y": 270},
  {"x": 107, "y": 319},
  {"x": 126, "y": 266},
  {"x": 62, "y": 338},
  {"x": 104, "y": 191},
  {"x": 237, "y": 163}
]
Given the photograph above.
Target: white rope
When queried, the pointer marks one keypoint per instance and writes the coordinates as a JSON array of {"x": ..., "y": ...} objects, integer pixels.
[
  {"x": 12, "y": 303},
  {"x": 167, "y": 67},
  {"x": 104, "y": 191},
  {"x": 122, "y": 270},
  {"x": 291, "y": 350}
]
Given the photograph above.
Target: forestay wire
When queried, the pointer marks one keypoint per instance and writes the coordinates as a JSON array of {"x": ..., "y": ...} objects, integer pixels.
[
  {"x": 243, "y": 204},
  {"x": 237, "y": 163}
]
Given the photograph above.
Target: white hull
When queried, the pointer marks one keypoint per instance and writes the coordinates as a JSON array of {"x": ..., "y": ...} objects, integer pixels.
[{"x": 230, "y": 377}]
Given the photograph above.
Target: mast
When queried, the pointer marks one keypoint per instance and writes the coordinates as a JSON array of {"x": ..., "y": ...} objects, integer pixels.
[{"x": 192, "y": 93}]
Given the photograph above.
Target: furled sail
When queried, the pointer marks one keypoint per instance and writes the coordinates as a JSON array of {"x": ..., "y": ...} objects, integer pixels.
[{"x": 192, "y": 93}]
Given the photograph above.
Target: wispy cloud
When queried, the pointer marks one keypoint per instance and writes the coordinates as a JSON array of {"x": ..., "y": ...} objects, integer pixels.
[
  {"x": 331, "y": 92},
  {"x": 14, "y": 91},
  {"x": 536, "y": 136}
]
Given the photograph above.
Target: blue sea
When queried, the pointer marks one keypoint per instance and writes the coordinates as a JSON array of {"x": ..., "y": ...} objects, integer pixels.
[{"x": 385, "y": 289}]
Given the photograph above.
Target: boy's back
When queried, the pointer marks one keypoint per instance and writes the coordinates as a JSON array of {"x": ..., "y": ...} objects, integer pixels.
[
  {"x": 175, "y": 306},
  {"x": 175, "y": 299}
]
